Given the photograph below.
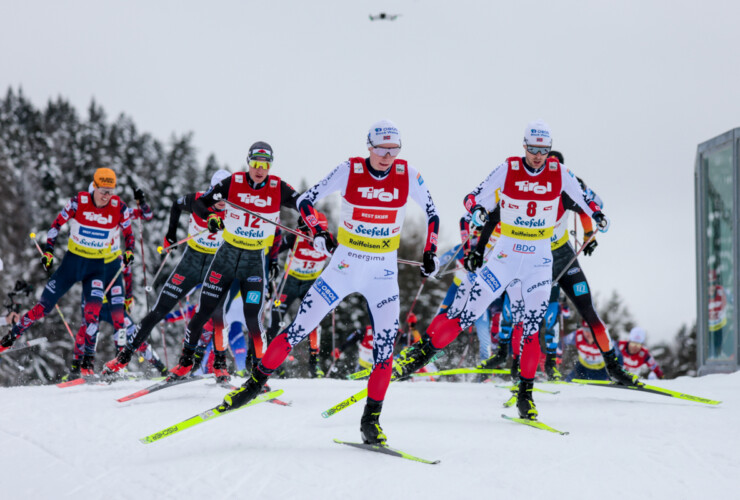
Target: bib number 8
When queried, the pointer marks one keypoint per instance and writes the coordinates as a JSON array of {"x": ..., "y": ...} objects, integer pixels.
[{"x": 531, "y": 208}]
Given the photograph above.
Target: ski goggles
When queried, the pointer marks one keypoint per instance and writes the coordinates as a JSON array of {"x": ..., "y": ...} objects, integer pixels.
[
  {"x": 543, "y": 150},
  {"x": 260, "y": 164},
  {"x": 385, "y": 151},
  {"x": 106, "y": 191}
]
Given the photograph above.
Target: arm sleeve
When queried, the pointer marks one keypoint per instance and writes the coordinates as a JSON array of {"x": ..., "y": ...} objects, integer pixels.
[
  {"x": 125, "y": 224},
  {"x": 288, "y": 196},
  {"x": 336, "y": 180},
  {"x": 494, "y": 217},
  {"x": 67, "y": 213},
  {"x": 574, "y": 191},
  {"x": 465, "y": 232},
  {"x": 180, "y": 205},
  {"x": 276, "y": 245},
  {"x": 485, "y": 193},
  {"x": 421, "y": 195},
  {"x": 215, "y": 194}
]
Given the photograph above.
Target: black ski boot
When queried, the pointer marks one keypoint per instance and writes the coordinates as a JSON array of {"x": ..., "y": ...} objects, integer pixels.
[
  {"x": 497, "y": 359},
  {"x": 248, "y": 391},
  {"x": 314, "y": 365},
  {"x": 118, "y": 363},
  {"x": 414, "y": 357},
  {"x": 524, "y": 401},
  {"x": 219, "y": 368},
  {"x": 515, "y": 369},
  {"x": 551, "y": 368},
  {"x": 74, "y": 371},
  {"x": 87, "y": 366},
  {"x": 370, "y": 428},
  {"x": 184, "y": 366},
  {"x": 616, "y": 372}
]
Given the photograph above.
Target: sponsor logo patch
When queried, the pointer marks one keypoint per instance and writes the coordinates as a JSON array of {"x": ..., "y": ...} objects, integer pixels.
[
  {"x": 573, "y": 271},
  {"x": 326, "y": 292},
  {"x": 254, "y": 279},
  {"x": 214, "y": 277},
  {"x": 177, "y": 279},
  {"x": 97, "y": 284},
  {"x": 580, "y": 288},
  {"x": 522, "y": 248},
  {"x": 490, "y": 279},
  {"x": 387, "y": 301},
  {"x": 253, "y": 297}
]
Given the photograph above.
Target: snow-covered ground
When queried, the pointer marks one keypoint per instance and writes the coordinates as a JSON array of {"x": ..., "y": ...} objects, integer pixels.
[{"x": 79, "y": 442}]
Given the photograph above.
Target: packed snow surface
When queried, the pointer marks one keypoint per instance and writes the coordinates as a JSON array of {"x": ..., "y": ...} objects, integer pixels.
[{"x": 79, "y": 442}]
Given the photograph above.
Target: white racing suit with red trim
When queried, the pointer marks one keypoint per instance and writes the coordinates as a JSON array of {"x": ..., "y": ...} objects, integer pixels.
[
  {"x": 365, "y": 260},
  {"x": 521, "y": 260}
]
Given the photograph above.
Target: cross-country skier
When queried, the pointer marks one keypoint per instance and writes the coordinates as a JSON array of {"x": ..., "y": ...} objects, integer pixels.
[
  {"x": 190, "y": 271},
  {"x": 573, "y": 282},
  {"x": 92, "y": 217},
  {"x": 636, "y": 357},
  {"x": 247, "y": 240},
  {"x": 530, "y": 189},
  {"x": 590, "y": 365},
  {"x": 375, "y": 191}
]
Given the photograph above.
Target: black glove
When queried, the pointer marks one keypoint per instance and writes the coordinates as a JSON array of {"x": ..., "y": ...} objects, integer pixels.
[
  {"x": 480, "y": 216},
  {"x": 324, "y": 242},
  {"x": 128, "y": 257},
  {"x": 601, "y": 221},
  {"x": 47, "y": 259},
  {"x": 139, "y": 195},
  {"x": 215, "y": 223},
  {"x": 473, "y": 260},
  {"x": 590, "y": 246},
  {"x": 7, "y": 341},
  {"x": 274, "y": 271},
  {"x": 430, "y": 264}
]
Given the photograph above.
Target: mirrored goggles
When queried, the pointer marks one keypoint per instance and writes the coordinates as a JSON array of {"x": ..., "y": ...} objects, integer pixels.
[
  {"x": 385, "y": 151},
  {"x": 543, "y": 150},
  {"x": 106, "y": 191},
  {"x": 260, "y": 164}
]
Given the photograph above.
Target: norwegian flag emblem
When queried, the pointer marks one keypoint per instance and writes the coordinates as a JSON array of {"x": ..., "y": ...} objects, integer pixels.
[
  {"x": 214, "y": 277},
  {"x": 386, "y": 137},
  {"x": 539, "y": 139}
]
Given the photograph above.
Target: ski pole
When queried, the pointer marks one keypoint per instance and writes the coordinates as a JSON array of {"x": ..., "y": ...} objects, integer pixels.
[
  {"x": 69, "y": 330},
  {"x": 167, "y": 256},
  {"x": 143, "y": 258},
  {"x": 574, "y": 257},
  {"x": 110, "y": 285}
]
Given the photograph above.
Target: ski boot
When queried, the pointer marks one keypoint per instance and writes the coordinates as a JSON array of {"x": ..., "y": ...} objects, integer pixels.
[
  {"x": 198, "y": 358},
  {"x": 87, "y": 366},
  {"x": 497, "y": 359},
  {"x": 248, "y": 391},
  {"x": 184, "y": 366},
  {"x": 551, "y": 368},
  {"x": 414, "y": 357},
  {"x": 524, "y": 402},
  {"x": 617, "y": 373},
  {"x": 515, "y": 370},
  {"x": 159, "y": 367},
  {"x": 74, "y": 371},
  {"x": 119, "y": 362},
  {"x": 370, "y": 428},
  {"x": 314, "y": 366},
  {"x": 219, "y": 368}
]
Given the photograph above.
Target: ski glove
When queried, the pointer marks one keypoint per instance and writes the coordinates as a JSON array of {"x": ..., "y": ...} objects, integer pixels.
[
  {"x": 473, "y": 260},
  {"x": 324, "y": 242},
  {"x": 430, "y": 264},
  {"x": 590, "y": 247},
  {"x": 47, "y": 259},
  {"x": 480, "y": 216},
  {"x": 215, "y": 223},
  {"x": 128, "y": 257},
  {"x": 601, "y": 221},
  {"x": 274, "y": 270},
  {"x": 139, "y": 196}
]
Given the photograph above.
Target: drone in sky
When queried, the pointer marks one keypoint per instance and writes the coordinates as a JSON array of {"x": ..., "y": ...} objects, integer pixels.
[{"x": 384, "y": 17}]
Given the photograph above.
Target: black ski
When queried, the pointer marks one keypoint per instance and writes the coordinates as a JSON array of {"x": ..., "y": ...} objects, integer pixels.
[
  {"x": 39, "y": 342},
  {"x": 387, "y": 450},
  {"x": 164, "y": 384}
]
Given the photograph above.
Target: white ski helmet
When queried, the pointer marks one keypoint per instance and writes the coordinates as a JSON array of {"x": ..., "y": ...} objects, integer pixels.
[
  {"x": 637, "y": 335},
  {"x": 219, "y": 176}
]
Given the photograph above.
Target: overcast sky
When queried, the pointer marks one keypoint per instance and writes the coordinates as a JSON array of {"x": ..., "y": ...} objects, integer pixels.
[{"x": 629, "y": 88}]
